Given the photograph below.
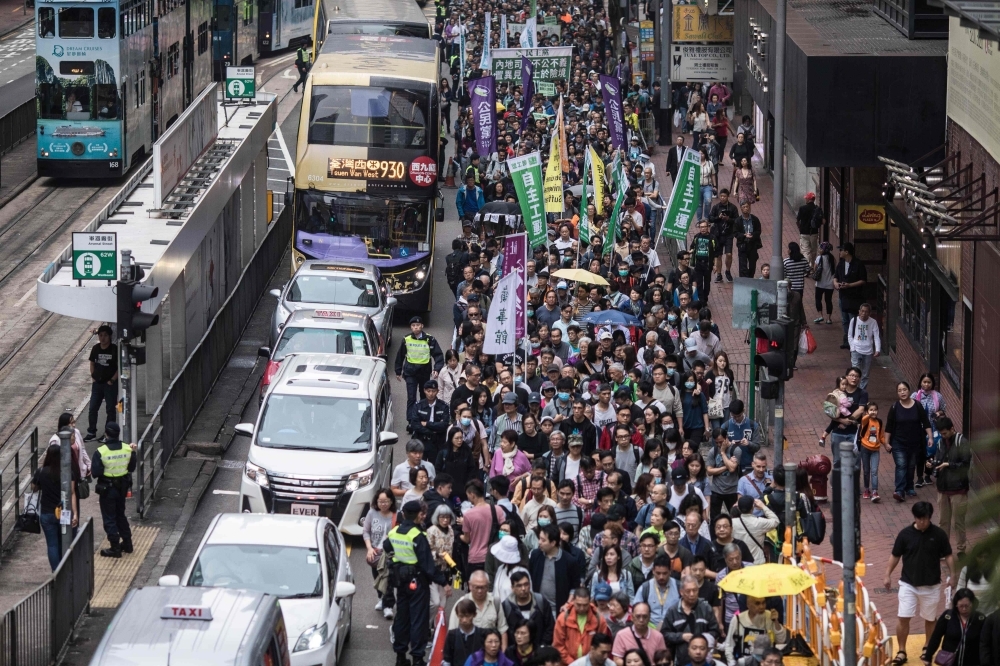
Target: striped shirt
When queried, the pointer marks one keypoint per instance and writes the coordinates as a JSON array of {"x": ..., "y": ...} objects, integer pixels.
[
  {"x": 570, "y": 515},
  {"x": 795, "y": 273}
]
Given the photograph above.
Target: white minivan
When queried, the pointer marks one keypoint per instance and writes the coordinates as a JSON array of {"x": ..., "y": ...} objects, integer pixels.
[{"x": 322, "y": 443}]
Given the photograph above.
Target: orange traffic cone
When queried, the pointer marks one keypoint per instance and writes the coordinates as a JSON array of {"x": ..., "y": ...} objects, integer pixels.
[{"x": 449, "y": 181}]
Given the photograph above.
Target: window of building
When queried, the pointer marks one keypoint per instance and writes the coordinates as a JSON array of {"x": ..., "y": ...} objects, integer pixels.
[
  {"x": 247, "y": 13},
  {"x": 915, "y": 285},
  {"x": 173, "y": 60},
  {"x": 202, "y": 37}
]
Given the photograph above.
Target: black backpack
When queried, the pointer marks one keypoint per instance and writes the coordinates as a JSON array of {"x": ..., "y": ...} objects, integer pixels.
[
  {"x": 517, "y": 528},
  {"x": 453, "y": 268}
]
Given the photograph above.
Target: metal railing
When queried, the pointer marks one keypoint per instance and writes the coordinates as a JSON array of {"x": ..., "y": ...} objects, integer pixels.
[
  {"x": 17, "y": 125},
  {"x": 189, "y": 389},
  {"x": 36, "y": 630},
  {"x": 15, "y": 479}
]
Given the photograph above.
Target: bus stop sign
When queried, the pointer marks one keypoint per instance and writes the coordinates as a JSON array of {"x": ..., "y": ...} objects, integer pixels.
[{"x": 240, "y": 83}]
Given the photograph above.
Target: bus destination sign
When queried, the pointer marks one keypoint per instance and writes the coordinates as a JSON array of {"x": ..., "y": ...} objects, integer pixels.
[{"x": 366, "y": 169}]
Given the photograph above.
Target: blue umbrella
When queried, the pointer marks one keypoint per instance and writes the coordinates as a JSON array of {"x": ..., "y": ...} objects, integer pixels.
[{"x": 610, "y": 318}]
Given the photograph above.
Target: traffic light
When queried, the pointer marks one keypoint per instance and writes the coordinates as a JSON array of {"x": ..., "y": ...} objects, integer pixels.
[
  {"x": 132, "y": 321},
  {"x": 775, "y": 348}
]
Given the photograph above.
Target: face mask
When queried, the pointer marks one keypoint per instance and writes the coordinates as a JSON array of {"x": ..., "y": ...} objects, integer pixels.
[
  {"x": 563, "y": 396},
  {"x": 502, "y": 534},
  {"x": 544, "y": 521},
  {"x": 689, "y": 385},
  {"x": 671, "y": 318},
  {"x": 623, "y": 273},
  {"x": 466, "y": 421},
  {"x": 670, "y": 372},
  {"x": 531, "y": 313},
  {"x": 535, "y": 345}
]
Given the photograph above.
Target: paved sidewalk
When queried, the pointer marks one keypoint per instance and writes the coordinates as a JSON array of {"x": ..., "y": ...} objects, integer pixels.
[{"x": 804, "y": 394}]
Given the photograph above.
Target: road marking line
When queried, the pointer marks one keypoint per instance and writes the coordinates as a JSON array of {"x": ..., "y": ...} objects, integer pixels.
[
  {"x": 26, "y": 295},
  {"x": 225, "y": 492},
  {"x": 284, "y": 151}
]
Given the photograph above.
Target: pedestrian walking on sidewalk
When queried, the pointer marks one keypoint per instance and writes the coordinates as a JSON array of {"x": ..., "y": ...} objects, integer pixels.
[
  {"x": 871, "y": 439},
  {"x": 921, "y": 547},
  {"x": 104, "y": 373},
  {"x": 809, "y": 219},
  {"x": 952, "y": 462},
  {"x": 796, "y": 268},
  {"x": 907, "y": 428},
  {"x": 722, "y": 217},
  {"x": 748, "y": 243},
  {"x": 933, "y": 402},
  {"x": 112, "y": 466},
  {"x": 849, "y": 279},
  {"x": 865, "y": 343},
  {"x": 823, "y": 270},
  {"x": 47, "y": 481},
  {"x": 745, "y": 182}
]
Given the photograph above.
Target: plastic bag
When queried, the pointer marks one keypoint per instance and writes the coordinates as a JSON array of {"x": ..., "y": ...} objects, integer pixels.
[
  {"x": 677, "y": 118},
  {"x": 807, "y": 343}
]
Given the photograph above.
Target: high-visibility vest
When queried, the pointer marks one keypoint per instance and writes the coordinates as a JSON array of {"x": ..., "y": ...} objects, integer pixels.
[
  {"x": 402, "y": 545},
  {"x": 418, "y": 351},
  {"x": 115, "y": 462}
]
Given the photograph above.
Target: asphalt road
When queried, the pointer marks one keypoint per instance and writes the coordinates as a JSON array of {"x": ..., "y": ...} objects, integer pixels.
[{"x": 17, "y": 68}]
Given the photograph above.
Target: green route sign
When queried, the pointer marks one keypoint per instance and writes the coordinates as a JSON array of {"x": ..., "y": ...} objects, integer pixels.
[
  {"x": 241, "y": 83},
  {"x": 95, "y": 256}
]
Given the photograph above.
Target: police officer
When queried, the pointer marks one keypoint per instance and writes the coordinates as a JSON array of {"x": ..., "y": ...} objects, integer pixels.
[
  {"x": 430, "y": 418},
  {"x": 412, "y": 571},
  {"x": 301, "y": 64},
  {"x": 419, "y": 359},
  {"x": 112, "y": 466}
]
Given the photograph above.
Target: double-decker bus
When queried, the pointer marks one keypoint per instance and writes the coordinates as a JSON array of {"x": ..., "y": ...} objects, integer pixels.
[
  {"x": 111, "y": 75},
  {"x": 368, "y": 17},
  {"x": 366, "y": 170}
]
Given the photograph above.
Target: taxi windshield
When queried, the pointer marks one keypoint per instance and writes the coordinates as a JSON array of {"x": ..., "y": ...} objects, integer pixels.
[{"x": 299, "y": 340}]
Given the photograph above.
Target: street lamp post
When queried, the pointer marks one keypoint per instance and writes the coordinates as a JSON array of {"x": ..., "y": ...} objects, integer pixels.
[{"x": 777, "y": 267}]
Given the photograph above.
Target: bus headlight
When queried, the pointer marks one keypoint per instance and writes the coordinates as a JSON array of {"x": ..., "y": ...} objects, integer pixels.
[{"x": 420, "y": 275}]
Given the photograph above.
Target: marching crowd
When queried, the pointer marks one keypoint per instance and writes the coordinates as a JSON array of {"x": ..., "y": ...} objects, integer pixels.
[{"x": 591, "y": 490}]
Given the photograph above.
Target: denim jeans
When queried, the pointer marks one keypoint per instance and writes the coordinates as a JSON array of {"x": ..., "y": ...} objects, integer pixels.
[
  {"x": 864, "y": 362},
  {"x": 835, "y": 440},
  {"x": 869, "y": 467},
  {"x": 845, "y": 319},
  {"x": 906, "y": 463},
  {"x": 707, "y": 194},
  {"x": 50, "y": 527}
]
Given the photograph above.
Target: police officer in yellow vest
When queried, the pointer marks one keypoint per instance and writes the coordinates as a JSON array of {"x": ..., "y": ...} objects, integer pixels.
[
  {"x": 419, "y": 359},
  {"x": 112, "y": 466},
  {"x": 412, "y": 572}
]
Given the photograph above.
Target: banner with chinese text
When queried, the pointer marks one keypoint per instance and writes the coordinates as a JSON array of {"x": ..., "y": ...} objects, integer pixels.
[
  {"x": 550, "y": 63},
  {"x": 526, "y": 171},
  {"x": 501, "y": 323},
  {"x": 515, "y": 258},
  {"x": 683, "y": 198}
]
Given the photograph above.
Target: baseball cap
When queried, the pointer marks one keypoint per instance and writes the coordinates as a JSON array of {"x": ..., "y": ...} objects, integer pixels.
[
  {"x": 810, "y": 196},
  {"x": 605, "y": 335},
  {"x": 534, "y": 398},
  {"x": 679, "y": 474},
  {"x": 548, "y": 386},
  {"x": 602, "y": 592},
  {"x": 575, "y": 440},
  {"x": 562, "y": 285},
  {"x": 510, "y": 398},
  {"x": 690, "y": 344}
]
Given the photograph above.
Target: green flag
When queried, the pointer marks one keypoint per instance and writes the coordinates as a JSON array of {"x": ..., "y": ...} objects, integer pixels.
[
  {"x": 609, "y": 242},
  {"x": 683, "y": 198},
  {"x": 526, "y": 171},
  {"x": 584, "y": 219}
]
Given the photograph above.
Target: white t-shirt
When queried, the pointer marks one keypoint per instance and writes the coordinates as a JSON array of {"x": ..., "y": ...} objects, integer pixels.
[
  {"x": 401, "y": 474},
  {"x": 572, "y": 468},
  {"x": 604, "y": 417},
  {"x": 676, "y": 498},
  {"x": 652, "y": 258}
]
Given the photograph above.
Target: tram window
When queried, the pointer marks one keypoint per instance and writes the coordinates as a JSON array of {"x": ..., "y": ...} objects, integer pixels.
[
  {"x": 76, "y": 22},
  {"x": 47, "y": 22},
  {"x": 77, "y": 104},
  {"x": 50, "y": 101},
  {"x": 108, "y": 104},
  {"x": 223, "y": 17},
  {"x": 106, "y": 23}
]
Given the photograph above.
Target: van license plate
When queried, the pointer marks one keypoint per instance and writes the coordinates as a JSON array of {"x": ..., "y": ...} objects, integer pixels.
[{"x": 305, "y": 510}]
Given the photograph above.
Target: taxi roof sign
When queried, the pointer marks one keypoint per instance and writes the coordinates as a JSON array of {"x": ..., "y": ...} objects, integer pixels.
[
  {"x": 171, "y": 612},
  {"x": 328, "y": 314}
]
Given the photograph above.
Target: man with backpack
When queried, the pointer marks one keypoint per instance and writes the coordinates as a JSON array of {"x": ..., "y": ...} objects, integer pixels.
[
  {"x": 741, "y": 429},
  {"x": 809, "y": 219},
  {"x": 723, "y": 465}
]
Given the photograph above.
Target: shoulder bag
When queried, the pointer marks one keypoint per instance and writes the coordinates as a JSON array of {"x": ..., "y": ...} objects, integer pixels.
[{"x": 28, "y": 520}]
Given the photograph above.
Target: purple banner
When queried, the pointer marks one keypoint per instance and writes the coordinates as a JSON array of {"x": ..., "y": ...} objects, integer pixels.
[
  {"x": 515, "y": 257},
  {"x": 484, "y": 114},
  {"x": 612, "y": 93},
  {"x": 528, "y": 90}
]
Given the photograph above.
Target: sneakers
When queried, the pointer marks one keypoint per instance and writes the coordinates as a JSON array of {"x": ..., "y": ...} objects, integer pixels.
[
  {"x": 388, "y": 613},
  {"x": 919, "y": 483},
  {"x": 897, "y": 497},
  {"x": 89, "y": 437},
  {"x": 875, "y": 498},
  {"x": 866, "y": 494},
  {"x": 911, "y": 493},
  {"x": 718, "y": 277},
  {"x": 818, "y": 320},
  {"x": 378, "y": 606},
  {"x": 729, "y": 276}
]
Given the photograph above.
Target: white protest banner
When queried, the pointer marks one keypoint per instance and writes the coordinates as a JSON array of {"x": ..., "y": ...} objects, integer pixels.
[{"x": 501, "y": 323}]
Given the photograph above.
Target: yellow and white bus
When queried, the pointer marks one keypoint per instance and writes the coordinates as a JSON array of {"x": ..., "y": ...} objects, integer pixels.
[
  {"x": 366, "y": 160},
  {"x": 388, "y": 18}
]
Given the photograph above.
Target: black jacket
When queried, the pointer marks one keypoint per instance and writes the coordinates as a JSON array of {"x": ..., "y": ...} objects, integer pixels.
[
  {"x": 809, "y": 218},
  {"x": 721, "y": 226},
  {"x": 437, "y": 357},
  {"x": 739, "y": 151},
  {"x": 433, "y": 499},
  {"x": 458, "y": 647},
  {"x": 674, "y": 164},
  {"x": 541, "y": 614},
  {"x": 567, "y": 574},
  {"x": 460, "y": 465},
  {"x": 948, "y": 636},
  {"x": 989, "y": 639},
  {"x": 433, "y": 433},
  {"x": 851, "y": 298},
  {"x": 742, "y": 241},
  {"x": 958, "y": 455},
  {"x": 587, "y": 430},
  {"x": 676, "y": 623}
]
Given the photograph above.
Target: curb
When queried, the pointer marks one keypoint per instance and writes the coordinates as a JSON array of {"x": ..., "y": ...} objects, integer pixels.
[{"x": 29, "y": 19}]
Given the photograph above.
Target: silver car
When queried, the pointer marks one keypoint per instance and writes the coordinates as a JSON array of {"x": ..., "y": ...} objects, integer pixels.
[{"x": 318, "y": 285}]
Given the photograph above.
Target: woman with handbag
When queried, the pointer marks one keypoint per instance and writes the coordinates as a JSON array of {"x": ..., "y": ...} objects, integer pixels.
[
  {"x": 47, "y": 481},
  {"x": 957, "y": 633}
]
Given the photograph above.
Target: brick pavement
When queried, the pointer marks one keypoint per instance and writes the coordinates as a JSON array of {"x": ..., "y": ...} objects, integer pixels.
[{"x": 804, "y": 394}]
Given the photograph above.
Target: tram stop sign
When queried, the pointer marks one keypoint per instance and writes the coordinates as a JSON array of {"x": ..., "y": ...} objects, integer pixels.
[
  {"x": 95, "y": 256},
  {"x": 240, "y": 83}
]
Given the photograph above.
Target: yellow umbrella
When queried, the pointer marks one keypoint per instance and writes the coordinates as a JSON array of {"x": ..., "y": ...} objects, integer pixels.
[
  {"x": 580, "y": 275},
  {"x": 767, "y": 580}
]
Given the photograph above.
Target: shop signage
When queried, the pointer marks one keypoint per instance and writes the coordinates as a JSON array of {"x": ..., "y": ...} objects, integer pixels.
[
  {"x": 702, "y": 62},
  {"x": 692, "y": 25},
  {"x": 871, "y": 217}
]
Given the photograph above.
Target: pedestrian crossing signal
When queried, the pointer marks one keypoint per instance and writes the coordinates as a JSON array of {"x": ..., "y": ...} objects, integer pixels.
[{"x": 773, "y": 342}]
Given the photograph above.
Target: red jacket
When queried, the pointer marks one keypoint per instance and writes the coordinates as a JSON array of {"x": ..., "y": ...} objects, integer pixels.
[{"x": 567, "y": 637}]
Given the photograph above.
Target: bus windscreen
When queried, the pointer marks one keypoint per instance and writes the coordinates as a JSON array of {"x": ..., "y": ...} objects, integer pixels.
[{"x": 372, "y": 117}]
